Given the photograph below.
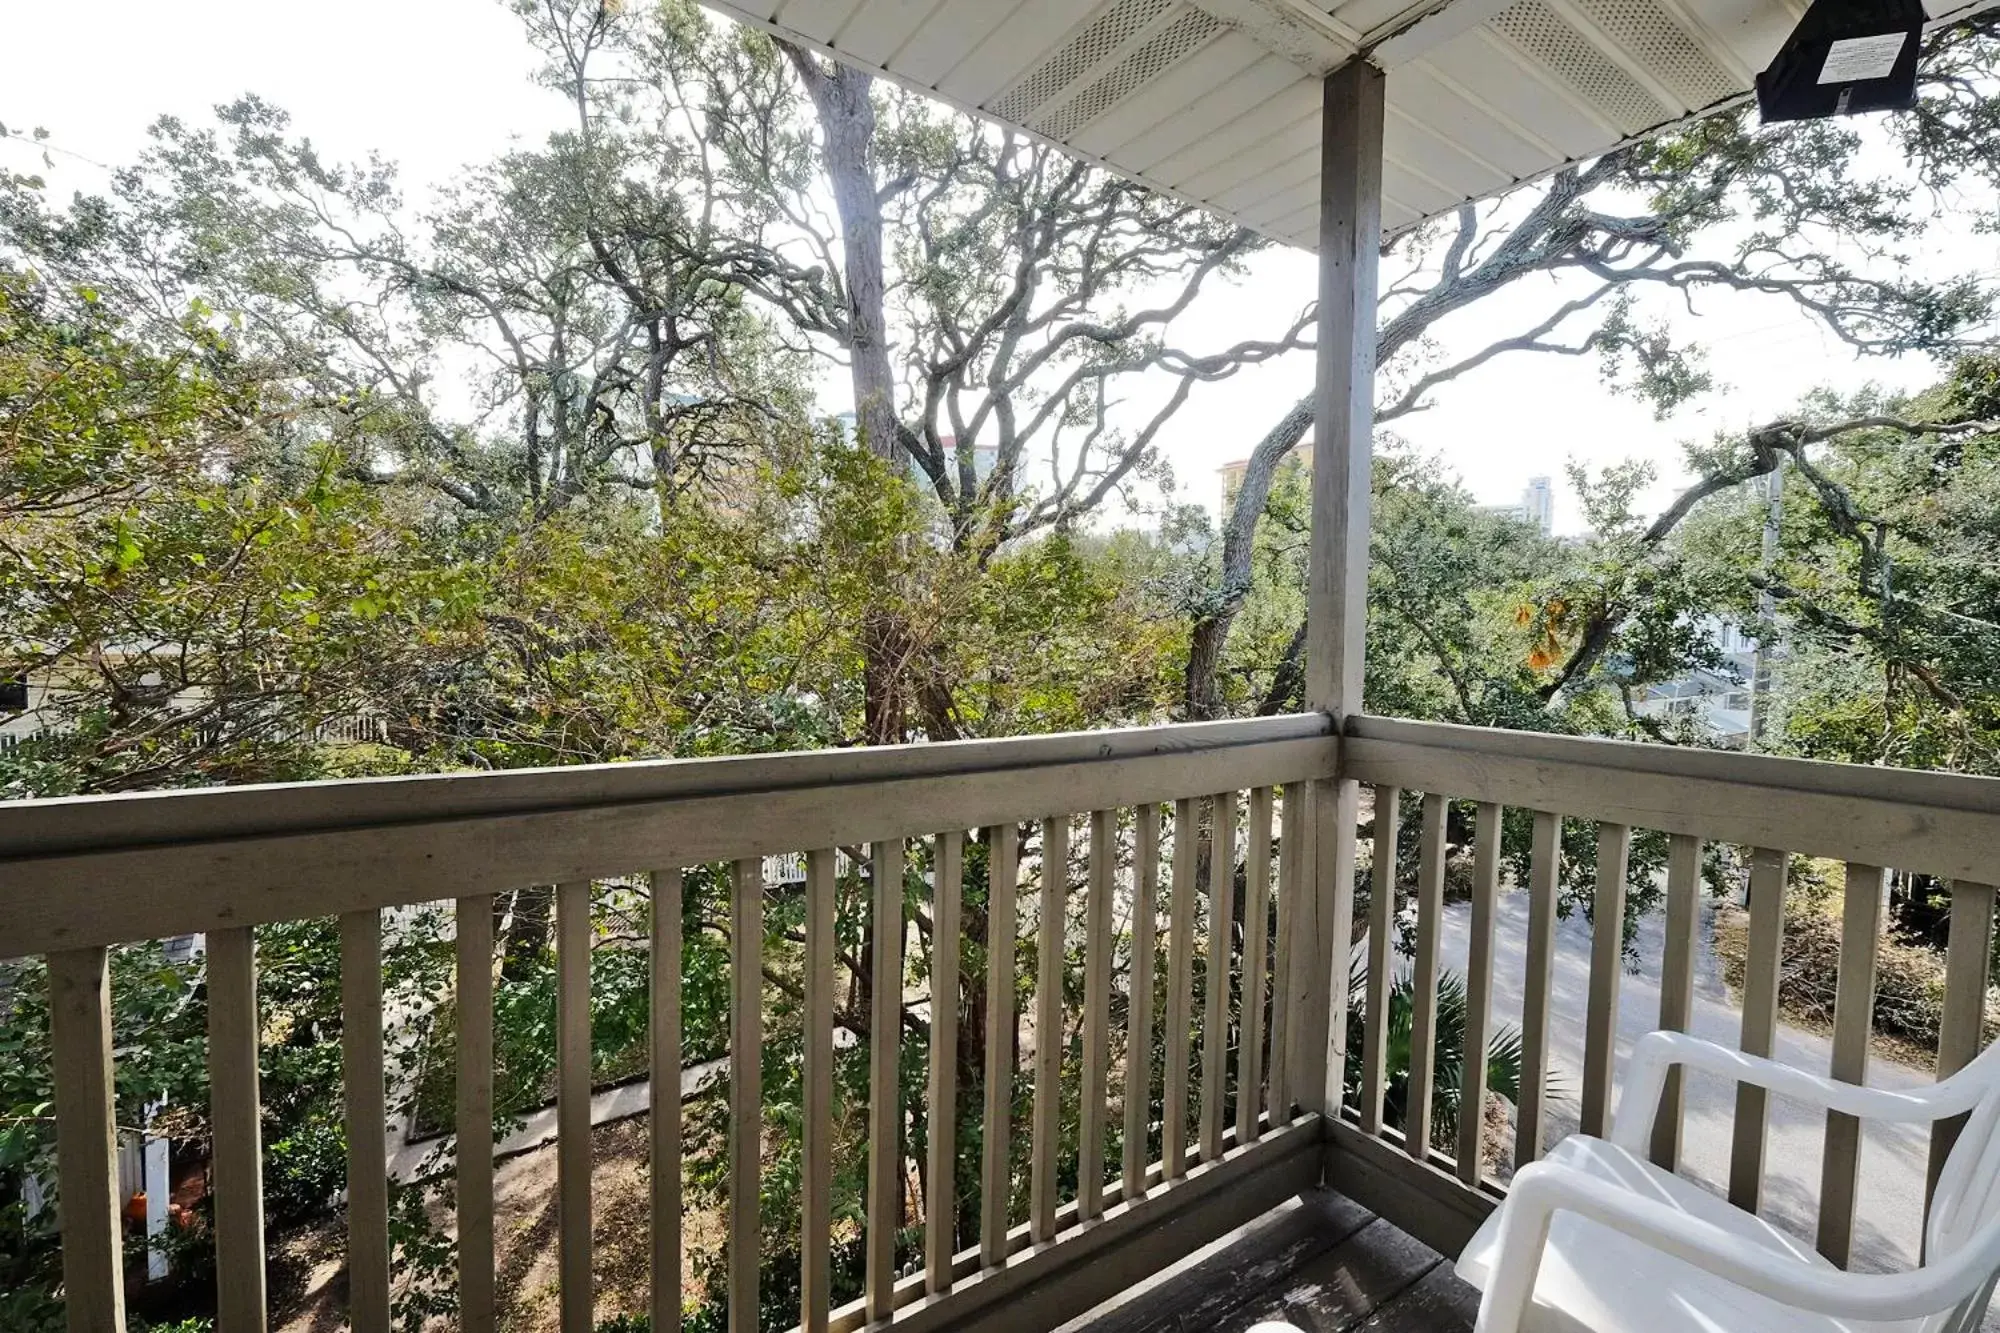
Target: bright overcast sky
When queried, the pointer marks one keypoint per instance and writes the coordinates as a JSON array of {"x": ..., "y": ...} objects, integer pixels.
[{"x": 436, "y": 84}]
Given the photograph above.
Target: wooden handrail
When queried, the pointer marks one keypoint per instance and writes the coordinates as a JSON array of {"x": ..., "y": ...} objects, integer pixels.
[
  {"x": 136, "y": 819},
  {"x": 1907, "y": 786},
  {"x": 244, "y": 856},
  {"x": 1944, "y": 824}
]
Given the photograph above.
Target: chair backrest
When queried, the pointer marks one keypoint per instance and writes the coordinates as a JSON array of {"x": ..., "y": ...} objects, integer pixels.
[{"x": 1968, "y": 1192}]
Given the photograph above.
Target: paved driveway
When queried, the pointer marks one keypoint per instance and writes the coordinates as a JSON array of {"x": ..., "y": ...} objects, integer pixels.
[{"x": 1890, "y": 1212}]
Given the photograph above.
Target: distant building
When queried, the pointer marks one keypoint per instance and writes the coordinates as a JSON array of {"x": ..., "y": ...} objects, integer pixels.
[
  {"x": 1719, "y": 700},
  {"x": 1537, "y": 506},
  {"x": 43, "y": 702},
  {"x": 1538, "y": 501},
  {"x": 985, "y": 457},
  {"x": 1232, "y": 473}
]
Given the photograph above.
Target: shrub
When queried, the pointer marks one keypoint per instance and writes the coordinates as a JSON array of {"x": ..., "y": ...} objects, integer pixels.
[
  {"x": 1909, "y": 978},
  {"x": 1503, "y": 1051}
]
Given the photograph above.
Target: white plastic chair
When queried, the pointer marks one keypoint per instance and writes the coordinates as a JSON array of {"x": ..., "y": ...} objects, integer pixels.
[{"x": 1596, "y": 1239}]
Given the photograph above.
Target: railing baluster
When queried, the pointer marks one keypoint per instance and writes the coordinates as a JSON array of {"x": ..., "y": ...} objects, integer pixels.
[
  {"x": 1423, "y": 980},
  {"x": 1322, "y": 1052},
  {"x": 1291, "y": 815},
  {"x": 93, "y": 1262},
  {"x": 1677, "y": 984},
  {"x": 1047, "y": 1127},
  {"x": 664, "y": 1115},
  {"x": 1215, "y": 995},
  {"x": 885, "y": 1089},
  {"x": 1760, "y": 1023},
  {"x": 1256, "y": 945},
  {"x": 1544, "y": 872},
  {"x": 367, "y": 1141},
  {"x": 1381, "y": 925},
  {"x": 1180, "y": 994},
  {"x": 1478, "y": 994},
  {"x": 816, "y": 1203},
  {"x": 1607, "y": 967},
  {"x": 234, "y": 1119},
  {"x": 1139, "y": 1006},
  {"x": 1968, "y": 949},
  {"x": 996, "y": 1178},
  {"x": 939, "y": 1193},
  {"x": 472, "y": 928},
  {"x": 573, "y": 1237},
  {"x": 1853, "y": 1026},
  {"x": 1096, "y": 1014}
]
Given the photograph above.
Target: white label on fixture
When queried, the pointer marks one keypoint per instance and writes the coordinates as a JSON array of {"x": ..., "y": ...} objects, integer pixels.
[{"x": 1856, "y": 58}]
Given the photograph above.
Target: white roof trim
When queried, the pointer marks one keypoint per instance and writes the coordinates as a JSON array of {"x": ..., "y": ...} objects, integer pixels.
[{"x": 1492, "y": 93}]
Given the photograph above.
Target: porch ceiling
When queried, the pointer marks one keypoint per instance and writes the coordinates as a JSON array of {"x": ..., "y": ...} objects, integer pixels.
[{"x": 1218, "y": 102}]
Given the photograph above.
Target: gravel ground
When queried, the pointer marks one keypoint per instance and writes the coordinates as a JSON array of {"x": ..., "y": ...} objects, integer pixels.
[{"x": 525, "y": 1231}]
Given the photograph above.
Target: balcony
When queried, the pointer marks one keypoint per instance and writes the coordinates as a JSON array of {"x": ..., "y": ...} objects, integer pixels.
[
  {"x": 1204, "y": 850},
  {"x": 1181, "y": 899}
]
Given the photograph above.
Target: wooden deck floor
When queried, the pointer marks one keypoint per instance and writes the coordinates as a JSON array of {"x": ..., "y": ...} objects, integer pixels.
[{"x": 1323, "y": 1264}]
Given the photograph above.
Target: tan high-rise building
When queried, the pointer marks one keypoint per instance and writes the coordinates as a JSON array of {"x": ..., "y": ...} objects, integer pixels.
[{"x": 1232, "y": 473}]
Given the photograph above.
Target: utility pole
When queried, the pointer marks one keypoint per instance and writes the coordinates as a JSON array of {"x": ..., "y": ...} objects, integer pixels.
[{"x": 1767, "y": 607}]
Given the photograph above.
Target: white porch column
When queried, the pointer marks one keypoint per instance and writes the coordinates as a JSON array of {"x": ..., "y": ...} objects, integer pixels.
[{"x": 1350, "y": 237}]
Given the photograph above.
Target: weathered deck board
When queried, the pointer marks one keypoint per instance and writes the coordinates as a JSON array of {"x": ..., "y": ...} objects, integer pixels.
[
  {"x": 1437, "y": 1301},
  {"x": 1323, "y": 1265}
]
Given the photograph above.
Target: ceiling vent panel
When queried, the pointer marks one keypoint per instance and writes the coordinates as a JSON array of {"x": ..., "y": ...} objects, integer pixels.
[
  {"x": 1663, "y": 47},
  {"x": 1098, "y": 40},
  {"x": 1546, "y": 38},
  {"x": 1173, "y": 43}
]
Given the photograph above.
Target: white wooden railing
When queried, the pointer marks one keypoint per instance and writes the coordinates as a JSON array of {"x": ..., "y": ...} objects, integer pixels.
[
  {"x": 78, "y": 876},
  {"x": 1869, "y": 818}
]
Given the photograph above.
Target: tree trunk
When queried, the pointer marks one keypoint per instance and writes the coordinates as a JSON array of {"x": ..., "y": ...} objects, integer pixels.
[
  {"x": 1200, "y": 698},
  {"x": 847, "y": 119},
  {"x": 527, "y": 933},
  {"x": 842, "y": 97},
  {"x": 885, "y": 639}
]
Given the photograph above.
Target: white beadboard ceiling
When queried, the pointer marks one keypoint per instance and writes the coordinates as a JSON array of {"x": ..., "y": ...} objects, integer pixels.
[{"x": 1217, "y": 101}]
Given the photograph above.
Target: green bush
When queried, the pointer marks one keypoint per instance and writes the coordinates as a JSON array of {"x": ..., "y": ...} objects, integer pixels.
[{"x": 1909, "y": 978}]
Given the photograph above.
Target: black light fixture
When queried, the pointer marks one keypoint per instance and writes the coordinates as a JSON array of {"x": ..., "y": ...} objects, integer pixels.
[{"x": 1845, "y": 56}]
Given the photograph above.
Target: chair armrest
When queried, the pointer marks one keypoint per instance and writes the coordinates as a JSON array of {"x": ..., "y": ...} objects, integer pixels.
[
  {"x": 1542, "y": 1189},
  {"x": 1657, "y": 1052}
]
